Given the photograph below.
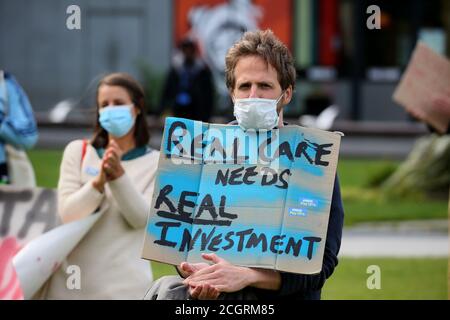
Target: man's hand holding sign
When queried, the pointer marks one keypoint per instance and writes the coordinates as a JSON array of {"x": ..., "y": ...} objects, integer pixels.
[{"x": 209, "y": 280}]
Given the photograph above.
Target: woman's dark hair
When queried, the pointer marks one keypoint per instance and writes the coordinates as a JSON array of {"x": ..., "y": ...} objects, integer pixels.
[{"x": 134, "y": 89}]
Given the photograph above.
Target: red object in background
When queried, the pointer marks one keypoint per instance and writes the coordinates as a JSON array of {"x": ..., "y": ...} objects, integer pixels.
[
  {"x": 277, "y": 15},
  {"x": 181, "y": 9},
  {"x": 9, "y": 282},
  {"x": 328, "y": 31}
]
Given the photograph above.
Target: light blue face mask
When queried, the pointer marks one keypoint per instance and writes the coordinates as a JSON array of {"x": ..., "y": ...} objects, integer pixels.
[{"x": 117, "y": 120}]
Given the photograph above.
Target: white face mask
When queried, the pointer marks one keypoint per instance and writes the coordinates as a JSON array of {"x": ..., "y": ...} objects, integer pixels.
[{"x": 256, "y": 113}]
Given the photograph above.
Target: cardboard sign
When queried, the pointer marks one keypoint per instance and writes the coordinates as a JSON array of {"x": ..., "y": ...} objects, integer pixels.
[
  {"x": 26, "y": 213},
  {"x": 33, "y": 243},
  {"x": 257, "y": 199},
  {"x": 424, "y": 89}
]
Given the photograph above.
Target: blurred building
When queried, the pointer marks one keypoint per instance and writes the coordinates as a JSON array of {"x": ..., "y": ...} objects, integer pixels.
[
  {"x": 339, "y": 59},
  {"x": 56, "y": 64}
]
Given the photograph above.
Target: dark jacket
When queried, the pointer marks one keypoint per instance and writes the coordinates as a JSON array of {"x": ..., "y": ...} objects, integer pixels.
[{"x": 189, "y": 91}]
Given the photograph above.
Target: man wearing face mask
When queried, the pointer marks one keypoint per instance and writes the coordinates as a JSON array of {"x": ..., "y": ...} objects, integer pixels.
[{"x": 260, "y": 76}]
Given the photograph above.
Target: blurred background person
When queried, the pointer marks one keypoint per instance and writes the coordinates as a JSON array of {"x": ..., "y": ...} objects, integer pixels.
[
  {"x": 189, "y": 88},
  {"x": 424, "y": 92},
  {"x": 18, "y": 131},
  {"x": 113, "y": 175}
]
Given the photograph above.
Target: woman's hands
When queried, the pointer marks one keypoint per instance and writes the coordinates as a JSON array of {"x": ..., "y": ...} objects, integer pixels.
[
  {"x": 110, "y": 167},
  {"x": 100, "y": 180},
  {"x": 111, "y": 161}
]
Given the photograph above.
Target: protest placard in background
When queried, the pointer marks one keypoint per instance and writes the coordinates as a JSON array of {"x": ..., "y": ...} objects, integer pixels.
[
  {"x": 257, "y": 199},
  {"x": 33, "y": 243},
  {"x": 26, "y": 213},
  {"x": 424, "y": 90}
]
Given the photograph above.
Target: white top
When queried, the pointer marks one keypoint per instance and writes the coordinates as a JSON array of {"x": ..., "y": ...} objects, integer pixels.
[{"x": 109, "y": 256}]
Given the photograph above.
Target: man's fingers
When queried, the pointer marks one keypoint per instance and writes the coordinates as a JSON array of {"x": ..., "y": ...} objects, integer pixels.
[
  {"x": 214, "y": 292},
  {"x": 204, "y": 292},
  {"x": 187, "y": 267},
  {"x": 195, "y": 292},
  {"x": 208, "y": 292},
  {"x": 212, "y": 257},
  {"x": 194, "y": 278},
  {"x": 220, "y": 288},
  {"x": 204, "y": 271},
  {"x": 203, "y": 295}
]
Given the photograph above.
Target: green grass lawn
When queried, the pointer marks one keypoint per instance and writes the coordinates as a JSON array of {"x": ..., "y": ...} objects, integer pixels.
[
  {"x": 162, "y": 269},
  {"x": 46, "y": 166},
  {"x": 362, "y": 202},
  {"x": 408, "y": 279},
  {"x": 404, "y": 279}
]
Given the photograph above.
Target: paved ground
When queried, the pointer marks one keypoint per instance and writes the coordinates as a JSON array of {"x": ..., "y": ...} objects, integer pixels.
[{"x": 406, "y": 239}]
